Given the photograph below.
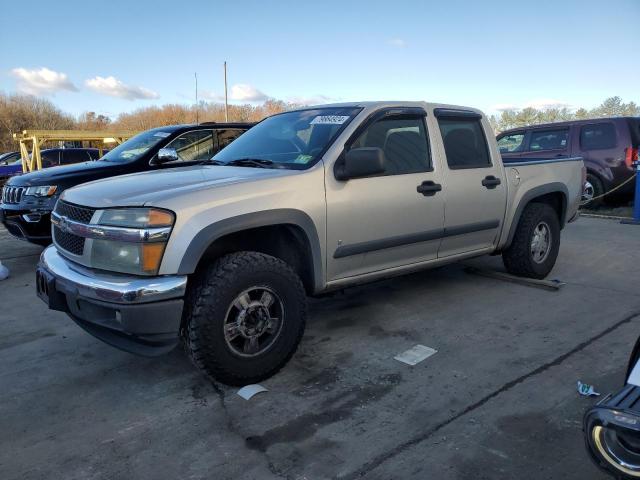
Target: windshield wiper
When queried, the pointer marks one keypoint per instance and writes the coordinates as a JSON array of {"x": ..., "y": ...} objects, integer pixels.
[
  {"x": 211, "y": 161},
  {"x": 250, "y": 162}
]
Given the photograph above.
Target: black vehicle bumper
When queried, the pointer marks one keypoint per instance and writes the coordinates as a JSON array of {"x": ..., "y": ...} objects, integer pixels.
[
  {"x": 140, "y": 315},
  {"x": 612, "y": 433},
  {"x": 28, "y": 225}
]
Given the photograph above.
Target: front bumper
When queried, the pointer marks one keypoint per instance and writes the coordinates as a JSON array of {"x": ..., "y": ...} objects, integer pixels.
[
  {"x": 31, "y": 225},
  {"x": 140, "y": 315}
]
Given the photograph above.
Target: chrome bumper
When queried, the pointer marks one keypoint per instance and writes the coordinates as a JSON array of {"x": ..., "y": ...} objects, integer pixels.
[{"x": 111, "y": 287}]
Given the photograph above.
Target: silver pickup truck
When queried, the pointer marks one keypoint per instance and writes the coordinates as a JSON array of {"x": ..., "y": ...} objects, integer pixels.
[{"x": 222, "y": 255}]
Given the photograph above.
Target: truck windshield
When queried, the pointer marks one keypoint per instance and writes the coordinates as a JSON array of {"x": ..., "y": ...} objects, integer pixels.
[
  {"x": 288, "y": 140},
  {"x": 136, "y": 146}
]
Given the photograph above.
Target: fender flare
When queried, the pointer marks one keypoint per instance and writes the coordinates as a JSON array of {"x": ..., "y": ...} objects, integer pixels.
[
  {"x": 554, "y": 187},
  {"x": 284, "y": 216}
]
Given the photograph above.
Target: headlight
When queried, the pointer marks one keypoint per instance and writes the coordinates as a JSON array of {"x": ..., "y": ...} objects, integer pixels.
[
  {"x": 41, "y": 191},
  {"x": 135, "y": 244}
]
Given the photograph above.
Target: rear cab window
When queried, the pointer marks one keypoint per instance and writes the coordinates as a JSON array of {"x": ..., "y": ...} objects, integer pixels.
[
  {"x": 465, "y": 143},
  {"x": 598, "y": 136},
  {"x": 551, "y": 139}
]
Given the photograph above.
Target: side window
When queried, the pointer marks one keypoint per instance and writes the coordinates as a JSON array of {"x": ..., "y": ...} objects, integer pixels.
[
  {"x": 465, "y": 144},
  {"x": 598, "y": 136},
  {"x": 511, "y": 143},
  {"x": 548, "y": 140},
  {"x": 404, "y": 142},
  {"x": 94, "y": 154},
  {"x": 73, "y": 156},
  {"x": 50, "y": 159},
  {"x": 227, "y": 135},
  {"x": 193, "y": 146}
]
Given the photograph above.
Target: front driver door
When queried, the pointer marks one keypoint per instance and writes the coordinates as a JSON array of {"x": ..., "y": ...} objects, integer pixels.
[{"x": 382, "y": 221}]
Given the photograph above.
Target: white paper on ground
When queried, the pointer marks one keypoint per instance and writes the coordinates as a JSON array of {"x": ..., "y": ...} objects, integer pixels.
[
  {"x": 587, "y": 390},
  {"x": 415, "y": 355},
  {"x": 634, "y": 378},
  {"x": 249, "y": 391}
]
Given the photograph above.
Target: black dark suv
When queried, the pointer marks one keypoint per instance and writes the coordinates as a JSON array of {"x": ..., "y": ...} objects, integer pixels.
[{"x": 27, "y": 200}]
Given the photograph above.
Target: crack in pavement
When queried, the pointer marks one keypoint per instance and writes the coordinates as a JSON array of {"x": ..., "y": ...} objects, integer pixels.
[
  {"x": 380, "y": 459},
  {"x": 232, "y": 428}
]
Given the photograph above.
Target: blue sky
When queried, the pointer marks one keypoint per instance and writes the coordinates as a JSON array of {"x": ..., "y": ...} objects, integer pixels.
[{"x": 116, "y": 56}]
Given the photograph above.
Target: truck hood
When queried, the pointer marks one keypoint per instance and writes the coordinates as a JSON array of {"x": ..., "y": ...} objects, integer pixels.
[{"x": 152, "y": 187}]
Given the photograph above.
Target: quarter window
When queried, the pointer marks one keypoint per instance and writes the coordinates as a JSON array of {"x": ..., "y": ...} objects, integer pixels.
[
  {"x": 403, "y": 141},
  {"x": 511, "y": 143},
  {"x": 464, "y": 143},
  {"x": 194, "y": 146},
  {"x": 598, "y": 136},
  {"x": 548, "y": 140}
]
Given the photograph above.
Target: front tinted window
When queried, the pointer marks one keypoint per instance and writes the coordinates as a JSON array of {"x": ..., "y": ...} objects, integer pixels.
[
  {"x": 464, "y": 143},
  {"x": 598, "y": 136},
  {"x": 404, "y": 142},
  {"x": 290, "y": 140},
  {"x": 137, "y": 146},
  {"x": 511, "y": 143},
  {"x": 193, "y": 146},
  {"x": 548, "y": 140}
]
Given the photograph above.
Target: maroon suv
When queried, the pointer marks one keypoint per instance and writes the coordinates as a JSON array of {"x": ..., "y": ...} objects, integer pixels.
[{"x": 608, "y": 146}]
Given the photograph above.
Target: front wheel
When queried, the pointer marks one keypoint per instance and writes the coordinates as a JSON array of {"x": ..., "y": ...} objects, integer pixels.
[
  {"x": 244, "y": 318},
  {"x": 534, "y": 249}
]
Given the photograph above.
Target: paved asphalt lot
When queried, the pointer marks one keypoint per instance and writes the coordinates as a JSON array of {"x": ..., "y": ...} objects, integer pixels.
[{"x": 498, "y": 400}]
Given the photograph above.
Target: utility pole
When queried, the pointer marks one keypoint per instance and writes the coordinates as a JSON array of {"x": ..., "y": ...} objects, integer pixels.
[
  {"x": 195, "y": 74},
  {"x": 226, "y": 103}
]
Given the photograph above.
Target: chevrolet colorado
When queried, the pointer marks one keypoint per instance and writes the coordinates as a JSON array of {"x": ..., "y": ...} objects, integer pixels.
[{"x": 222, "y": 255}]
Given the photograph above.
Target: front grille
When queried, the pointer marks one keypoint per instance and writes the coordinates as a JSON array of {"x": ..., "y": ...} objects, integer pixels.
[
  {"x": 68, "y": 241},
  {"x": 12, "y": 195},
  {"x": 74, "y": 212}
]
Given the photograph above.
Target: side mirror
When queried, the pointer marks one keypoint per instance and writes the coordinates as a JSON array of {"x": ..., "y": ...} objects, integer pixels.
[
  {"x": 166, "y": 155},
  {"x": 361, "y": 162}
]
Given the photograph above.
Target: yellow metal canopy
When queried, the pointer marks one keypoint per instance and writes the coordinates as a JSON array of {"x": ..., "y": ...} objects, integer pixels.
[{"x": 36, "y": 138}]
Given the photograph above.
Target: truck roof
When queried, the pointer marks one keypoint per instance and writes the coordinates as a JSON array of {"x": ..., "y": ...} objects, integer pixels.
[{"x": 392, "y": 103}]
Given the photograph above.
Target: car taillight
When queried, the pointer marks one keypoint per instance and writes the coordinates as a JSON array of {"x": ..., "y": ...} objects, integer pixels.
[{"x": 630, "y": 156}]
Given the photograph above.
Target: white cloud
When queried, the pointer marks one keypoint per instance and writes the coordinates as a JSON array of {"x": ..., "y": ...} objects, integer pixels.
[
  {"x": 397, "y": 42},
  {"x": 539, "y": 104},
  {"x": 115, "y": 88},
  {"x": 247, "y": 93},
  {"x": 42, "y": 81},
  {"x": 239, "y": 92},
  {"x": 310, "y": 100}
]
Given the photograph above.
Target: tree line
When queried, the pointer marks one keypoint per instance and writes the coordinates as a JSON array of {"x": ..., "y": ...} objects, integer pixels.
[
  {"x": 511, "y": 118},
  {"x": 20, "y": 112}
]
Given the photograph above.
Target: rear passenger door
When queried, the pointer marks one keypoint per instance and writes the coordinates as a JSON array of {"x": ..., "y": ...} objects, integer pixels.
[
  {"x": 474, "y": 187},
  {"x": 598, "y": 147}
]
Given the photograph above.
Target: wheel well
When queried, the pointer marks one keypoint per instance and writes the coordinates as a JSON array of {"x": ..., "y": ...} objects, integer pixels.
[
  {"x": 555, "y": 200},
  {"x": 287, "y": 242}
]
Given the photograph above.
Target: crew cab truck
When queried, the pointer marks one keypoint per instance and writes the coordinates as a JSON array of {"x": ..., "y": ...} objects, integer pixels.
[{"x": 223, "y": 255}]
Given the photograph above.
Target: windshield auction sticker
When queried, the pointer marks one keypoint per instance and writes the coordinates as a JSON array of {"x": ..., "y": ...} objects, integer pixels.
[
  {"x": 161, "y": 134},
  {"x": 329, "y": 120}
]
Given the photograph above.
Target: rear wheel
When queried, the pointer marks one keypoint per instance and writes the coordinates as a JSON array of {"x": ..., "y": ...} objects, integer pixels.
[
  {"x": 245, "y": 316},
  {"x": 534, "y": 249},
  {"x": 594, "y": 187}
]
